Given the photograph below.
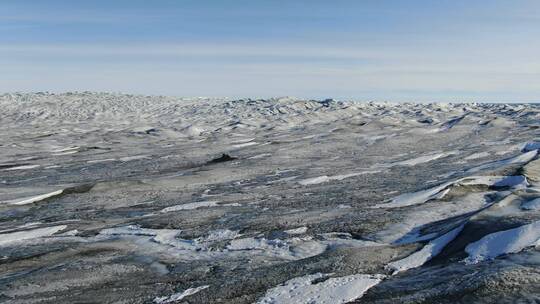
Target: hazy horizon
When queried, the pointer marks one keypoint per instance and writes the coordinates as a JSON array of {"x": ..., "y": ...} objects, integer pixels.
[{"x": 448, "y": 51}]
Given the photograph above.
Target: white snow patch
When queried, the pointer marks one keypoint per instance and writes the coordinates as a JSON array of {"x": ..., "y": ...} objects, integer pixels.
[
  {"x": 193, "y": 131},
  {"x": 477, "y": 155},
  {"x": 314, "y": 180},
  {"x": 425, "y": 254},
  {"x": 245, "y": 144},
  {"x": 520, "y": 159},
  {"x": 438, "y": 192},
  {"x": 419, "y": 197},
  {"x": 73, "y": 232},
  {"x": 503, "y": 242},
  {"x": 231, "y": 205},
  {"x": 162, "y": 236},
  {"x": 325, "y": 178},
  {"x": 65, "y": 149},
  {"x": 100, "y": 160},
  {"x": 304, "y": 290},
  {"x": 19, "y": 236},
  {"x": 258, "y": 156},
  {"x": 219, "y": 235},
  {"x": 513, "y": 181},
  {"x": 33, "y": 199},
  {"x": 180, "y": 295},
  {"x": 299, "y": 230},
  {"x": 65, "y": 153},
  {"x": 190, "y": 206},
  {"x": 291, "y": 249},
  {"x": 170, "y": 237},
  {"x": 344, "y": 176},
  {"x": 424, "y": 159},
  {"x": 409, "y": 229},
  {"x": 24, "y": 167},
  {"x": 136, "y": 157}
]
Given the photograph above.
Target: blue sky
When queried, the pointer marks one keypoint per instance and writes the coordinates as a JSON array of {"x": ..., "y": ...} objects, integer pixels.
[{"x": 436, "y": 50}]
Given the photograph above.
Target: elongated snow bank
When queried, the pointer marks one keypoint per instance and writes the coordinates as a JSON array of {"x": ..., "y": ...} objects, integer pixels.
[
  {"x": 19, "y": 236},
  {"x": 326, "y": 178},
  {"x": 33, "y": 199},
  {"x": 425, "y": 254},
  {"x": 424, "y": 159},
  {"x": 503, "y": 242},
  {"x": 519, "y": 159},
  {"x": 415, "y": 198},
  {"x": 190, "y": 206},
  {"x": 180, "y": 295},
  {"x": 305, "y": 290},
  {"x": 438, "y": 192}
]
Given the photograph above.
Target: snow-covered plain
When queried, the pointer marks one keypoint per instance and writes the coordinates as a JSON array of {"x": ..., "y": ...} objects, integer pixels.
[{"x": 111, "y": 198}]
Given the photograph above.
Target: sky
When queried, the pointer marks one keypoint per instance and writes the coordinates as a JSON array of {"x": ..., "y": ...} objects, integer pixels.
[{"x": 408, "y": 50}]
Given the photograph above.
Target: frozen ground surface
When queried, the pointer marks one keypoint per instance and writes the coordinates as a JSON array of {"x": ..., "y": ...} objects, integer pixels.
[{"x": 110, "y": 198}]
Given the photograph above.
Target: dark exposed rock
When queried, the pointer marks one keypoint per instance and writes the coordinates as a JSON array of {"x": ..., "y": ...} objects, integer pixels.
[{"x": 223, "y": 158}]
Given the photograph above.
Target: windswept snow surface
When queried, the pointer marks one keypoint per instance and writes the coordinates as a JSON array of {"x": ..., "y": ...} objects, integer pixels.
[
  {"x": 23, "y": 167},
  {"x": 503, "y": 242},
  {"x": 21, "y": 236},
  {"x": 299, "y": 230},
  {"x": 324, "y": 178},
  {"x": 432, "y": 249},
  {"x": 519, "y": 159},
  {"x": 180, "y": 295},
  {"x": 477, "y": 155},
  {"x": 118, "y": 198},
  {"x": 190, "y": 206},
  {"x": 306, "y": 290},
  {"x": 290, "y": 249},
  {"x": 410, "y": 228},
  {"x": 514, "y": 181},
  {"x": 424, "y": 159},
  {"x": 33, "y": 199},
  {"x": 420, "y": 197},
  {"x": 416, "y": 198}
]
